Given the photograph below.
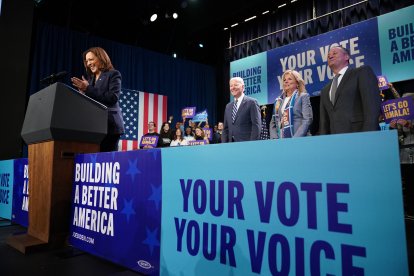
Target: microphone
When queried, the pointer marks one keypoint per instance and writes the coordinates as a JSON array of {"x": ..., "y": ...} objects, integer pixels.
[{"x": 53, "y": 78}]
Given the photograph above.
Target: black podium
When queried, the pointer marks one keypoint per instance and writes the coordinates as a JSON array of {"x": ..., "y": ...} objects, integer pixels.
[{"x": 59, "y": 123}]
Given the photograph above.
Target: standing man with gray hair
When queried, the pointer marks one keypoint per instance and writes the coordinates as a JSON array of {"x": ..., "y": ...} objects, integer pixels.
[
  {"x": 242, "y": 116},
  {"x": 351, "y": 102}
]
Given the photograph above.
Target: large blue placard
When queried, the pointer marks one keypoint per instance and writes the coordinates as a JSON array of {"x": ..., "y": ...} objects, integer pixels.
[
  {"x": 6, "y": 188},
  {"x": 283, "y": 213},
  {"x": 116, "y": 207},
  {"x": 20, "y": 211},
  {"x": 397, "y": 44}
]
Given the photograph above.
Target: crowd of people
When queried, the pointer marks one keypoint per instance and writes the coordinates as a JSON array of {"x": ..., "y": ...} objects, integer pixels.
[
  {"x": 350, "y": 102},
  {"x": 183, "y": 133}
]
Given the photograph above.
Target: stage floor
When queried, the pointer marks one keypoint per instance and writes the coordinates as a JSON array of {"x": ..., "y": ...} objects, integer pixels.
[
  {"x": 71, "y": 261},
  {"x": 66, "y": 261}
]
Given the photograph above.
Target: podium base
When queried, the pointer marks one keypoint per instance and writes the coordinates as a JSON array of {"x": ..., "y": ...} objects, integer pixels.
[{"x": 26, "y": 244}]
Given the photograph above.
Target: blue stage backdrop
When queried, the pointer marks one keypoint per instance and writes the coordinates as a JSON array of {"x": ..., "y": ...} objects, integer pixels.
[
  {"x": 116, "y": 208},
  {"x": 384, "y": 43},
  {"x": 304, "y": 206},
  {"x": 20, "y": 212}
]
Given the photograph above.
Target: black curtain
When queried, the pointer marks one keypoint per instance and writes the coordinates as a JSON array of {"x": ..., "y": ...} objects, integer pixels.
[{"x": 185, "y": 83}]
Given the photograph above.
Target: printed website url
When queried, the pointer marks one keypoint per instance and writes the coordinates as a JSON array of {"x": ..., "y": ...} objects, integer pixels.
[{"x": 83, "y": 238}]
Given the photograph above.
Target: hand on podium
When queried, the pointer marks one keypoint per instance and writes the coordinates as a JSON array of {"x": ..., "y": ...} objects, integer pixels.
[{"x": 80, "y": 84}]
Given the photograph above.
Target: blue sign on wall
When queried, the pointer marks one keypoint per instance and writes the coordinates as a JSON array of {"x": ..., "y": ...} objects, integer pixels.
[
  {"x": 282, "y": 212},
  {"x": 309, "y": 56},
  {"x": 116, "y": 207},
  {"x": 396, "y": 43},
  {"x": 20, "y": 212},
  {"x": 6, "y": 188},
  {"x": 384, "y": 43}
]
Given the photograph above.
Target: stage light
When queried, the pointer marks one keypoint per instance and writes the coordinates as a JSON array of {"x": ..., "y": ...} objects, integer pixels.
[
  {"x": 293, "y": 1},
  {"x": 153, "y": 17},
  {"x": 265, "y": 12},
  {"x": 175, "y": 15},
  {"x": 174, "y": 55},
  {"x": 234, "y": 25},
  {"x": 200, "y": 45},
  {"x": 225, "y": 28},
  {"x": 250, "y": 18},
  {"x": 281, "y": 6}
]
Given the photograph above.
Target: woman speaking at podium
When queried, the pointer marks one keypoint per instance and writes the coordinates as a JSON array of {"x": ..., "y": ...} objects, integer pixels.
[{"x": 103, "y": 85}]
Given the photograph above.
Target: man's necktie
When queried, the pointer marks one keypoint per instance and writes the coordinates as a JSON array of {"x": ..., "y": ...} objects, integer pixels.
[
  {"x": 333, "y": 89},
  {"x": 233, "y": 115}
]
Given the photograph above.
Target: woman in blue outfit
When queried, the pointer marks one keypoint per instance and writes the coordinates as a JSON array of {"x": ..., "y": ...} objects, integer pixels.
[
  {"x": 292, "y": 115},
  {"x": 103, "y": 85}
]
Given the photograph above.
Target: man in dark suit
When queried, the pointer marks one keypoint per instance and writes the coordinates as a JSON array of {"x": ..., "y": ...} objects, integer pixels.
[
  {"x": 217, "y": 134},
  {"x": 242, "y": 116},
  {"x": 354, "y": 103}
]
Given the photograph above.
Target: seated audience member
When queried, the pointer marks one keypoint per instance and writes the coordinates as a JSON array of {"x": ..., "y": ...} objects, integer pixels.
[
  {"x": 178, "y": 139},
  {"x": 293, "y": 111},
  {"x": 189, "y": 135},
  {"x": 165, "y": 135},
  {"x": 151, "y": 132},
  {"x": 217, "y": 133},
  {"x": 199, "y": 135}
]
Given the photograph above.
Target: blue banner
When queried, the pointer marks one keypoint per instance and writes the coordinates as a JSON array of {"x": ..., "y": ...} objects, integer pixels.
[
  {"x": 309, "y": 56},
  {"x": 201, "y": 116},
  {"x": 116, "y": 207},
  {"x": 397, "y": 44},
  {"x": 20, "y": 212},
  {"x": 6, "y": 188},
  {"x": 317, "y": 219},
  {"x": 384, "y": 43},
  {"x": 253, "y": 70}
]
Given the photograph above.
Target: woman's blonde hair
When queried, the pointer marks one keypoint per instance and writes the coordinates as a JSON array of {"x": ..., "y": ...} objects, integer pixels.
[{"x": 298, "y": 78}]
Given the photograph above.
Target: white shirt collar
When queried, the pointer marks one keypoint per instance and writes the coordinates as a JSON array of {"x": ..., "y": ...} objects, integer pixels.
[
  {"x": 239, "y": 100},
  {"x": 343, "y": 70}
]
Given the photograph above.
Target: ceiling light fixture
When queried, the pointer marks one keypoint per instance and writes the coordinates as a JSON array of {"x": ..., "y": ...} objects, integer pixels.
[
  {"x": 225, "y": 28},
  {"x": 234, "y": 25},
  {"x": 293, "y": 1},
  {"x": 265, "y": 12},
  {"x": 174, "y": 55},
  {"x": 281, "y": 6},
  {"x": 175, "y": 15},
  {"x": 250, "y": 18},
  {"x": 153, "y": 17},
  {"x": 200, "y": 45}
]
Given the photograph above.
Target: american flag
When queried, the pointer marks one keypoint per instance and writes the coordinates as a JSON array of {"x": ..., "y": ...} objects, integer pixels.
[{"x": 139, "y": 108}]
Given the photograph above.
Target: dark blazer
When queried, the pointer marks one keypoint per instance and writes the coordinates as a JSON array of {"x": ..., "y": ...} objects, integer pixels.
[
  {"x": 247, "y": 124},
  {"x": 106, "y": 90},
  {"x": 357, "y": 104}
]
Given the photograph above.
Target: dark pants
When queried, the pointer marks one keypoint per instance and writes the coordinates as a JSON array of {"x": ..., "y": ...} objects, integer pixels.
[{"x": 110, "y": 142}]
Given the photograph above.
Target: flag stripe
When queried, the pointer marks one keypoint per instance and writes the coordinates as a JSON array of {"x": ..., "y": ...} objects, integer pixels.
[
  {"x": 140, "y": 113},
  {"x": 146, "y": 113},
  {"x": 155, "y": 110},
  {"x": 164, "y": 109}
]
